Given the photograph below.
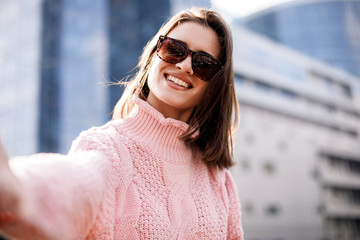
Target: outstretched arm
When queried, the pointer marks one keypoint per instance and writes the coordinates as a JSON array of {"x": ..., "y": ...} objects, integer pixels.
[
  {"x": 60, "y": 196},
  {"x": 13, "y": 202}
]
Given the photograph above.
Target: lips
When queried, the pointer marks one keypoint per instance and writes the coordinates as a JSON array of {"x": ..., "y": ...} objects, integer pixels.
[{"x": 178, "y": 81}]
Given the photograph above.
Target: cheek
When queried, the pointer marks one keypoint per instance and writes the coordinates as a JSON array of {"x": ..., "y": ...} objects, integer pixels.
[
  {"x": 154, "y": 73},
  {"x": 201, "y": 92},
  {"x": 203, "y": 86}
]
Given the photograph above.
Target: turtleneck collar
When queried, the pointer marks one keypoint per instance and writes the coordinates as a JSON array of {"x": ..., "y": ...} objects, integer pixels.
[{"x": 148, "y": 125}]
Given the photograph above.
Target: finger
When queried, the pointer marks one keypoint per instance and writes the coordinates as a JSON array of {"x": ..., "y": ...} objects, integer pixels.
[{"x": 3, "y": 155}]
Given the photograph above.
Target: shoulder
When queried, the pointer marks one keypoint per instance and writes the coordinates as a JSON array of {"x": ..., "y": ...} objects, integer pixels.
[
  {"x": 108, "y": 141},
  {"x": 222, "y": 176},
  {"x": 104, "y": 138},
  {"x": 228, "y": 181},
  {"x": 110, "y": 129}
]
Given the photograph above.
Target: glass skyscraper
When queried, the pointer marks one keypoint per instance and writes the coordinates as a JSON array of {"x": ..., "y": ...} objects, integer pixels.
[
  {"x": 131, "y": 25},
  {"x": 326, "y": 30},
  {"x": 20, "y": 31},
  {"x": 57, "y": 58}
]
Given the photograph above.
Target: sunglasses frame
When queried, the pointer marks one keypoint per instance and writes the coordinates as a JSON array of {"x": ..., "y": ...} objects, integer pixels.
[{"x": 193, "y": 54}]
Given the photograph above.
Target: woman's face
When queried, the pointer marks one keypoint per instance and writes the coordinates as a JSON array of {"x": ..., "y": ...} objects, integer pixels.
[{"x": 174, "y": 88}]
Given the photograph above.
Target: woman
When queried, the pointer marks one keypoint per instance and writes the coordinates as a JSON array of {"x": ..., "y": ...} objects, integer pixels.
[{"x": 158, "y": 170}]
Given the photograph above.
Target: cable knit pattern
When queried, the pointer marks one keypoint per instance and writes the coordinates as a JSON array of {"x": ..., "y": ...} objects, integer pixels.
[{"x": 131, "y": 179}]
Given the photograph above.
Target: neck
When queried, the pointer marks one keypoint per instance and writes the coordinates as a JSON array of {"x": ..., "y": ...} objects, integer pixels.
[
  {"x": 162, "y": 135},
  {"x": 169, "y": 111}
]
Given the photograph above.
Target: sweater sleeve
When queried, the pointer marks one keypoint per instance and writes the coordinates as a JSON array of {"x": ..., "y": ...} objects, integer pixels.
[
  {"x": 235, "y": 230},
  {"x": 65, "y": 192}
]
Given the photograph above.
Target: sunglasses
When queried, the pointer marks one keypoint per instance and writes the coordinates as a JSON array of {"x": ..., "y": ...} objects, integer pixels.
[{"x": 174, "y": 51}]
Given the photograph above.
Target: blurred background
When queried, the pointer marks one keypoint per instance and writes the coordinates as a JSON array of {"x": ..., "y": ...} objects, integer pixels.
[{"x": 297, "y": 71}]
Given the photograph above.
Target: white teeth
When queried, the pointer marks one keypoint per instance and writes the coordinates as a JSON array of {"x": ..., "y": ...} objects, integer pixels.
[{"x": 178, "y": 81}]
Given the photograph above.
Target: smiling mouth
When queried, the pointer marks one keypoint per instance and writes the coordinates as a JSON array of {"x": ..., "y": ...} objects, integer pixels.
[{"x": 178, "y": 81}]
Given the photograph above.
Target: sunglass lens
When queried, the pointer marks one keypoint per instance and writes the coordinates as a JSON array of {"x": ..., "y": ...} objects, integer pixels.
[
  {"x": 172, "y": 51},
  {"x": 204, "y": 66}
]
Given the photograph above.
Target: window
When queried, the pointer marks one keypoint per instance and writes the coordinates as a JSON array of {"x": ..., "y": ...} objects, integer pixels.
[
  {"x": 245, "y": 164},
  {"x": 331, "y": 108},
  {"x": 269, "y": 168},
  {"x": 272, "y": 210},
  {"x": 249, "y": 208},
  {"x": 239, "y": 79},
  {"x": 263, "y": 86},
  {"x": 287, "y": 94},
  {"x": 346, "y": 91}
]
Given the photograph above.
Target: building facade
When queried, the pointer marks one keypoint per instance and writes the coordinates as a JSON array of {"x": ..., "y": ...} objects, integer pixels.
[
  {"x": 298, "y": 144},
  {"x": 59, "y": 59},
  {"x": 20, "y": 30},
  {"x": 328, "y": 30}
]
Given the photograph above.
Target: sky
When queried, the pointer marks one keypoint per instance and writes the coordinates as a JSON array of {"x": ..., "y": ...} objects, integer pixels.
[{"x": 241, "y": 8}]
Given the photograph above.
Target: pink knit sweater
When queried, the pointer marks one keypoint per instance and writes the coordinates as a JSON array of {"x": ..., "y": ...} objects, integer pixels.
[{"x": 130, "y": 179}]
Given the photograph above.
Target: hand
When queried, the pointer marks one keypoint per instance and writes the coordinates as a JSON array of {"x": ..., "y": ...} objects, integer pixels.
[
  {"x": 10, "y": 190},
  {"x": 15, "y": 207},
  {"x": 3, "y": 157},
  {"x": 12, "y": 199}
]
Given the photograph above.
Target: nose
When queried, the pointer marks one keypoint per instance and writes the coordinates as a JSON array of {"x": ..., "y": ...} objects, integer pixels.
[{"x": 185, "y": 65}]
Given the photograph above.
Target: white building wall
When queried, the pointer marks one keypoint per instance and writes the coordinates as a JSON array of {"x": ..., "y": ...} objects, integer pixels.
[
  {"x": 276, "y": 165},
  {"x": 292, "y": 109}
]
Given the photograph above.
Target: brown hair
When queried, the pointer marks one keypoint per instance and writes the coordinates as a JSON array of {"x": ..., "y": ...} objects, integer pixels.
[{"x": 216, "y": 116}]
